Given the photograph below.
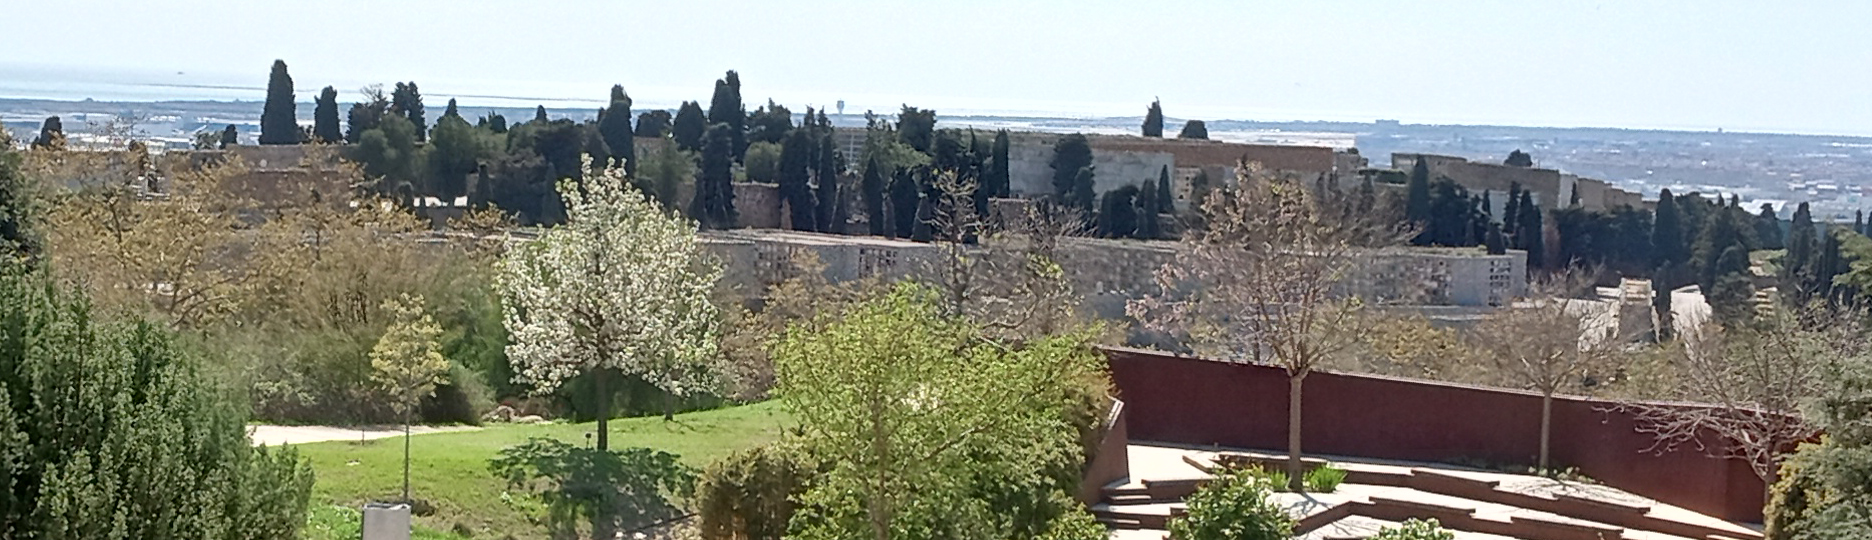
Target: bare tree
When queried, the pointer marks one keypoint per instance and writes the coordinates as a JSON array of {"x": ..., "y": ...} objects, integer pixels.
[
  {"x": 1746, "y": 385},
  {"x": 1552, "y": 340},
  {"x": 1003, "y": 274},
  {"x": 1264, "y": 281}
]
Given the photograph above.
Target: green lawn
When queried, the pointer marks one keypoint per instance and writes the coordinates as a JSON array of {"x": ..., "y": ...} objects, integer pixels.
[{"x": 450, "y": 469}]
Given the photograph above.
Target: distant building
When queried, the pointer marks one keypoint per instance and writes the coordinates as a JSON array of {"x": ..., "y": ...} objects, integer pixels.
[{"x": 1550, "y": 189}]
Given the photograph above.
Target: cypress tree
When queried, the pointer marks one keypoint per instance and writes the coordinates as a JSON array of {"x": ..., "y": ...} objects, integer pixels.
[
  {"x": 1417, "y": 195},
  {"x": 996, "y": 182},
  {"x": 1150, "y": 203},
  {"x": 495, "y": 122},
  {"x": 1803, "y": 245},
  {"x": 1661, "y": 301},
  {"x": 1194, "y": 129},
  {"x": 1720, "y": 235},
  {"x": 795, "y": 179},
  {"x": 539, "y": 115},
  {"x": 1496, "y": 243},
  {"x": 1731, "y": 294},
  {"x": 872, "y": 184},
  {"x": 1072, "y": 158},
  {"x": 905, "y": 200},
  {"x": 1511, "y": 208},
  {"x": 279, "y": 119},
  {"x": 832, "y": 212},
  {"x": 1828, "y": 265},
  {"x": 1768, "y": 228},
  {"x": 229, "y": 136},
  {"x": 1166, "y": 201},
  {"x": 51, "y": 134},
  {"x": 406, "y": 100},
  {"x": 1668, "y": 244},
  {"x": 1528, "y": 235},
  {"x": 725, "y": 108},
  {"x": 713, "y": 205},
  {"x": 325, "y": 117},
  {"x": 1199, "y": 190},
  {"x": 614, "y": 125},
  {"x": 451, "y": 111},
  {"x": 1154, "y": 120},
  {"x": 1859, "y": 222},
  {"x": 689, "y": 126},
  {"x": 653, "y": 124},
  {"x": 1117, "y": 216}
]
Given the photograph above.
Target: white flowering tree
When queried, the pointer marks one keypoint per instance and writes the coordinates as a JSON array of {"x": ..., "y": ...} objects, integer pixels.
[{"x": 620, "y": 290}]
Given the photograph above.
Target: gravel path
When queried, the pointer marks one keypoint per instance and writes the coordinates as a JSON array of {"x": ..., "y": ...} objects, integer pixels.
[{"x": 278, "y": 435}]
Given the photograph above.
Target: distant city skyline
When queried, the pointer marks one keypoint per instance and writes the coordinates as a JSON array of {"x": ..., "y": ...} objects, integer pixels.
[{"x": 1649, "y": 65}]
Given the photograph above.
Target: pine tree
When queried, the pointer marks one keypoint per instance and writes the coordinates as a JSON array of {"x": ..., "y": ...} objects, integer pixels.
[
  {"x": 1517, "y": 158},
  {"x": 832, "y": 211},
  {"x": 1072, "y": 155},
  {"x": 689, "y": 126},
  {"x": 51, "y": 134},
  {"x": 614, "y": 124},
  {"x": 873, "y": 185},
  {"x": 1154, "y": 120},
  {"x": 366, "y": 115},
  {"x": 279, "y": 118},
  {"x": 713, "y": 205},
  {"x": 1417, "y": 196},
  {"x": 325, "y": 117},
  {"x": 1194, "y": 129},
  {"x": 917, "y": 128},
  {"x": 1768, "y": 229},
  {"x": 725, "y": 108},
  {"x": 772, "y": 123}
]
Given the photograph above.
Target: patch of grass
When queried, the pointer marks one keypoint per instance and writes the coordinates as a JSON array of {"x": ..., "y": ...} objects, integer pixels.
[
  {"x": 328, "y": 522},
  {"x": 450, "y": 470},
  {"x": 1324, "y": 479}
]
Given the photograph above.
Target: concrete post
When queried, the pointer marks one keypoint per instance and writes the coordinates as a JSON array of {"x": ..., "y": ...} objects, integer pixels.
[{"x": 386, "y": 521}]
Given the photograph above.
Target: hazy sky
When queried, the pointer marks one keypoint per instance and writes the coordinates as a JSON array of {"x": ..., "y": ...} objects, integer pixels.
[{"x": 1757, "y": 66}]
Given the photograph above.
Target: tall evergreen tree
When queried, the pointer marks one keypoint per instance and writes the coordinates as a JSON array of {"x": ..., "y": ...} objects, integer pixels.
[
  {"x": 832, "y": 211},
  {"x": 795, "y": 179},
  {"x": 1529, "y": 234},
  {"x": 614, "y": 124},
  {"x": 539, "y": 115},
  {"x": 494, "y": 122},
  {"x": 451, "y": 111},
  {"x": 51, "y": 134},
  {"x": 406, "y": 101},
  {"x": 1198, "y": 190},
  {"x": 279, "y": 118},
  {"x": 1494, "y": 241},
  {"x": 229, "y": 136},
  {"x": 1731, "y": 293},
  {"x": 872, "y": 184},
  {"x": 1083, "y": 192},
  {"x": 1517, "y": 158},
  {"x": 1720, "y": 235},
  {"x": 713, "y": 205},
  {"x": 1768, "y": 228},
  {"x": 1166, "y": 200},
  {"x": 1668, "y": 243},
  {"x": 1154, "y": 120},
  {"x": 1829, "y": 264},
  {"x": 1150, "y": 203},
  {"x": 1859, "y": 222},
  {"x": 1071, "y": 155},
  {"x": 1661, "y": 289},
  {"x": 653, "y": 124},
  {"x": 772, "y": 123},
  {"x": 325, "y": 117},
  {"x": 1117, "y": 217},
  {"x": 996, "y": 181},
  {"x": 19, "y": 212},
  {"x": 1417, "y": 195},
  {"x": 689, "y": 126},
  {"x": 1798, "y": 265},
  {"x": 905, "y": 200},
  {"x": 367, "y": 114},
  {"x": 917, "y": 128},
  {"x": 1194, "y": 129},
  {"x": 725, "y": 108},
  {"x": 1511, "y": 209}
]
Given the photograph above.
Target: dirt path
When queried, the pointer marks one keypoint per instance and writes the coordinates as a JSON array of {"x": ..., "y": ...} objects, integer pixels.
[{"x": 278, "y": 435}]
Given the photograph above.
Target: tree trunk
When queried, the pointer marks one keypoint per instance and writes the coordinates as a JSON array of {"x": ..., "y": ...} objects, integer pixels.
[
  {"x": 1546, "y": 429},
  {"x": 669, "y": 406},
  {"x": 406, "y": 442},
  {"x": 602, "y": 392},
  {"x": 1295, "y": 473}
]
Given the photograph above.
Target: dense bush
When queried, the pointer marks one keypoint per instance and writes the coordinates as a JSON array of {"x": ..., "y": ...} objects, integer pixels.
[
  {"x": 1233, "y": 506},
  {"x": 1794, "y": 499},
  {"x": 1076, "y": 524},
  {"x": 108, "y": 430},
  {"x": 750, "y": 494}
]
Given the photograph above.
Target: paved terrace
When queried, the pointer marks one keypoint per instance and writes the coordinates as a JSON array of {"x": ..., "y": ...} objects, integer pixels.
[{"x": 1475, "y": 504}]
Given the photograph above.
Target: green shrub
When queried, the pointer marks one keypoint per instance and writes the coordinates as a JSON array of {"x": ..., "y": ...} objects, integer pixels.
[
  {"x": 750, "y": 494},
  {"x": 1076, "y": 524},
  {"x": 1324, "y": 479},
  {"x": 1416, "y": 529},
  {"x": 109, "y": 430},
  {"x": 1795, "y": 498},
  {"x": 1233, "y": 506}
]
